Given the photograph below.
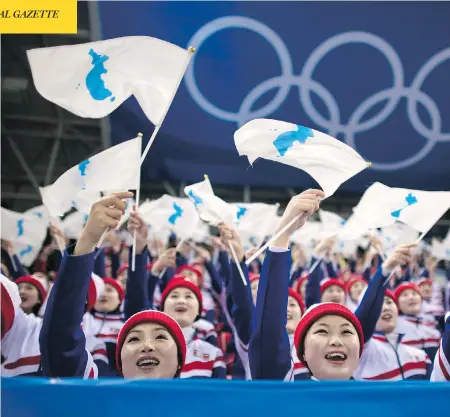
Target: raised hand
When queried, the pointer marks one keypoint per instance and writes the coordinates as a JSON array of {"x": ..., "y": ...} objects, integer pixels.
[
  {"x": 105, "y": 213},
  {"x": 401, "y": 256},
  {"x": 229, "y": 236},
  {"x": 136, "y": 223},
  {"x": 166, "y": 260},
  {"x": 302, "y": 206}
]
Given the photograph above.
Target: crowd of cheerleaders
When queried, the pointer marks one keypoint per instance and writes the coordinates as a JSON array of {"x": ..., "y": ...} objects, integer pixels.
[{"x": 189, "y": 313}]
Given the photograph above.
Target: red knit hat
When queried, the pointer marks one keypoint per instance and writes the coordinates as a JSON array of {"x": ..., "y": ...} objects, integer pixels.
[
  {"x": 153, "y": 316},
  {"x": 297, "y": 297},
  {"x": 253, "y": 277},
  {"x": 95, "y": 290},
  {"x": 424, "y": 281},
  {"x": 116, "y": 286},
  {"x": 36, "y": 283},
  {"x": 330, "y": 282},
  {"x": 353, "y": 281},
  {"x": 317, "y": 311},
  {"x": 123, "y": 268},
  {"x": 182, "y": 281},
  {"x": 298, "y": 284},
  {"x": 404, "y": 287},
  {"x": 192, "y": 269},
  {"x": 391, "y": 295}
]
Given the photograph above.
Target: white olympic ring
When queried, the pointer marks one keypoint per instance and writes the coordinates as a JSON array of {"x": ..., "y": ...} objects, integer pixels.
[{"x": 305, "y": 83}]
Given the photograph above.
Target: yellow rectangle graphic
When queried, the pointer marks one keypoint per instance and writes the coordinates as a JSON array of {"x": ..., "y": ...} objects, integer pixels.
[{"x": 38, "y": 16}]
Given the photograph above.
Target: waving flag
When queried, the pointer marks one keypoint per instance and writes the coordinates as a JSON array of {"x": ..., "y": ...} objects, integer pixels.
[
  {"x": 420, "y": 210},
  {"x": 171, "y": 213},
  {"x": 309, "y": 232},
  {"x": 211, "y": 208},
  {"x": 353, "y": 228},
  {"x": 93, "y": 79},
  {"x": 117, "y": 167},
  {"x": 440, "y": 250},
  {"x": 251, "y": 215},
  {"x": 254, "y": 221},
  {"x": 332, "y": 223},
  {"x": 26, "y": 231},
  {"x": 447, "y": 238},
  {"x": 329, "y": 161},
  {"x": 73, "y": 225},
  {"x": 40, "y": 213}
]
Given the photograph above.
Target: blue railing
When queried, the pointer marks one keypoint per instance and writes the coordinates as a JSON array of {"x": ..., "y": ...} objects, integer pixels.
[{"x": 23, "y": 397}]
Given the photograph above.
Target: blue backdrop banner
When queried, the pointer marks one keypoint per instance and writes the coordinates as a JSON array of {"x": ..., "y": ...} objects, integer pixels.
[
  {"x": 375, "y": 75},
  {"x": 22, "y": 397}
]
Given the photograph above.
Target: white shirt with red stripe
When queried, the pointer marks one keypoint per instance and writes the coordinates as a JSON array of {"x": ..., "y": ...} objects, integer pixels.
[
  {"x": 431, "y": 309},
  {"x": 97, "y": 349},
  {"x": 20, "y": 343},
  {"x": 441, "y": 367},
  {"x": 104, "y": 327},
  {"x": 384, "y": 359},
  {"x": 298, "y": 371},
  {"x": 202, "y": 359},
  {"x": 418, "y": 334},
  {"x": 20, "y": 346}
]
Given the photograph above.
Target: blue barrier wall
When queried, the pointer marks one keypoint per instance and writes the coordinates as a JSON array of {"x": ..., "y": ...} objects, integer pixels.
[
  {"x": 36, "y": 397},
  {"x": 375, "y": 75}
]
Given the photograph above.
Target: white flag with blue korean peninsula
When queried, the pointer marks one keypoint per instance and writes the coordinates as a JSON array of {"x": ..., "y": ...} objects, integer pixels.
[
  {"x": 25, "y": 231},
  {"x": 73, "y": 224},
  {"x": 211, "y": 208},
  {"x": 329, "y": 161},
  {"x": 117, "y": 167},
  {"x": 93, "y": 79},
  {"x": 332, "y": 223},
  {"x": 416, "y": 208},
  {"x": 171, "y": 213},
  {"x": 40, "y": 213},
  {"x": 310, "y": 232},
  {"x": 440, "y": 250},
  {"x": 254, "y": 221}
]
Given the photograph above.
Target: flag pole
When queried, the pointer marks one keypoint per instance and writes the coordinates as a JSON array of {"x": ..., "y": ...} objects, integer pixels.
[
  {"x": 191, "y": 51},
  {"x": 138, "y": 196}
]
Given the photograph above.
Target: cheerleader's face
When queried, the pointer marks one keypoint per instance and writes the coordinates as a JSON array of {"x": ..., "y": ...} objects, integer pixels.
[
  {"x": 334, "y": 294},
  {"x": 254, "y": 287},
  {"x": 356, "y": 290},
  {"x": 109, "y": 301},
  {"x": 410, "y": 302},
  {"x": 149, "y": 352},
  {"x": 29, "y": 296},
  {"x": 388, "y": 318},
  {"x": 332, "y": 348},
  {"x": 182, "y": 305},
  {"x": 294, "y": 314},
  {"x": 426, "y": 290}
]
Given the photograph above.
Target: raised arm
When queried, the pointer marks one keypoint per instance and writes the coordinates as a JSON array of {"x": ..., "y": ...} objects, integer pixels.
[
  {"x": 441, "y": 365},
  {"x": 371, "y": 304},
  {"x": 241, "y": 295},
  {"x": 62, "y": 341},
  {"x": 269, "y": 350},
  {"x": 136, "y": 296}
]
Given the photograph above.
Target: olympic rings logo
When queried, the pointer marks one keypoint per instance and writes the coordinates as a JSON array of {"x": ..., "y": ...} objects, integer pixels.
[{"x": 306, "y": 84}]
